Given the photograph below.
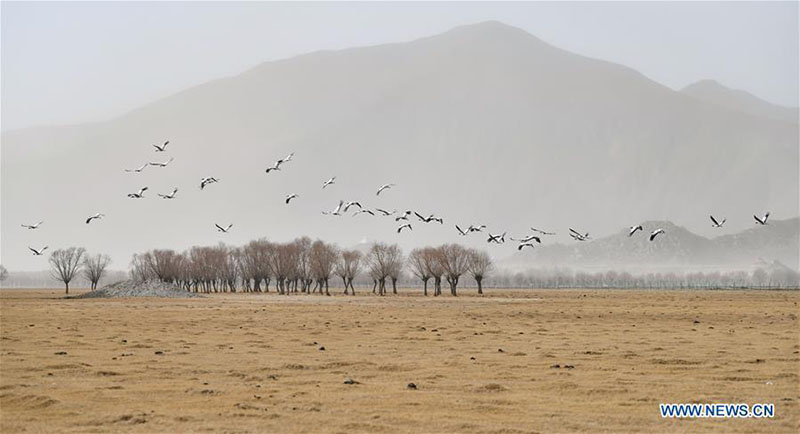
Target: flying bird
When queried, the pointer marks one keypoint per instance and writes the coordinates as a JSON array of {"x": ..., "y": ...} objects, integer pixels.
[
  {"x": 38, "y": 252},
  {"x": 32, "y": 226},
  {"x": 384, "y": 212},
  {"x": 208, "y": 180},
  {"x": 472, "y": 228},
  {"x": 403, "y": 217},
  {"x": 157, "y": 164},
  {"x": 169, "y": 196},
  {"x": 365, "y": 210},
  {"x": 528, "y": 239},
  {"x": 578, "y": 236},
  {"x": 96, "y": 216},
  {"x": 139, "y": 169},
  {"x": 523, "y": 245},
  {"x": 717, "y": 224},
  {"x": 225, "y": 229},
  {"x": 761, "y": 221},
  {"x": 384, "y": 187},
  {"x": 329, "y": 182},
  {"x": 351, "y": 203},
  {"x": 336, "y": 211},
  {"x": 655, "y": 233},
  {"x": 276, "y": 166},
  {"x": 633, "y": 230},
  {"x": 543, "y": 232},
  {"x": 290, "y": 197},
  {"x": 161, "y": 148},
  {"x": 497, "y": 239},
  {"x": 461, "y": 231},
  {"x": 138, "y": 195},
  {"x": 407, "y": 225}
]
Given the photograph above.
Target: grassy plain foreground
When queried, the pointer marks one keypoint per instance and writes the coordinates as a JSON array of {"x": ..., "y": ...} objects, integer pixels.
[{"x": 254, "y": 363}]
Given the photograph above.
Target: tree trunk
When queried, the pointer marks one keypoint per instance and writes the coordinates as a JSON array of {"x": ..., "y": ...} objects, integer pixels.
[
  {"x": 326, "y": 288},
  {"x": 66, "y": 284},
  {"x": 425, "y": 287},
  {"x": 480, "y": 287},
  {"x": 394, "y": 285}
]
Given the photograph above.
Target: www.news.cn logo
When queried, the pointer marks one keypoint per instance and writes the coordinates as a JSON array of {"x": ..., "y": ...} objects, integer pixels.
[{"x": 717, "y": 410}]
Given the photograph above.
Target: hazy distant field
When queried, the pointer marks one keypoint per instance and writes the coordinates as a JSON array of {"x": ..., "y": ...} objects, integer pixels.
[{"x": 253, "y": 363}]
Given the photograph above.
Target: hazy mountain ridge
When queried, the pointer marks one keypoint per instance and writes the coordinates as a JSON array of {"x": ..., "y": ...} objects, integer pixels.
[
  {"x": 482, "y": 124},
  {"x": 715, "y": 93},
  {"x": 677, "y": 248}
]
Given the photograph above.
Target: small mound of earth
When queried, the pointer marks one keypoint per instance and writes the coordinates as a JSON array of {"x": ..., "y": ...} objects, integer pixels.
[{"x": 132, "y": 288}]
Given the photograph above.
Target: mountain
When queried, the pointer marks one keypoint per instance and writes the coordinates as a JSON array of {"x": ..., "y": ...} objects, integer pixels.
[
  {"x": 482, "y": 124},
  {"x": 677, "y": 249},
  {"x": 734, "y": 99}
]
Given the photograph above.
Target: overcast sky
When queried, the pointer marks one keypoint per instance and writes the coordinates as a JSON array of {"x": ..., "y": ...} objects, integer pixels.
[{"x": 73, "y": 62}]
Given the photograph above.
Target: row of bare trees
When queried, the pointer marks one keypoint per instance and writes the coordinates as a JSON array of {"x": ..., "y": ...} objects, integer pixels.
[
  {"x": 65, "y": 264},
  {"x": 307, "y": 267}
]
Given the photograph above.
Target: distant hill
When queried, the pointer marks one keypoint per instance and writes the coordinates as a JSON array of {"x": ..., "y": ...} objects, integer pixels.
[
  {"x": 715, "y": 93},
  {"x": 677, "y": 249},
  {"x": 483, "y": 124}
]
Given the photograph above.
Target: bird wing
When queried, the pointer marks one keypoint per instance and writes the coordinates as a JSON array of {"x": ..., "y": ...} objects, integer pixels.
[
  {"x": 714, "y": 220},
  {"x": 33, "y": 250},
  {"x": 219, "y": 227},
  {"x": 575, "y": 232}
]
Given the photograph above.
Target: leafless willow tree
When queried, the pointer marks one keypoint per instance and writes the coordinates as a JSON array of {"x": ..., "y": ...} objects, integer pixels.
[
  {"x": 419, "y": 268},
  {"x": 94, "y": 267},
  {"x": 480, "y": 263},
  {"x": 65, "y": 264},
  {"x": 347, "y": 268},
  {"x": 377, "y": 261},
  {"x": 454, "y": 259},
  {"x": 323, "y": 259},
  {"x": 395, "y": 264}
]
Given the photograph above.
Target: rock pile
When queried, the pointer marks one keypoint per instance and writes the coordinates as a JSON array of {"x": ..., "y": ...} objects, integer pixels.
[{"x": 131, "y": 288}]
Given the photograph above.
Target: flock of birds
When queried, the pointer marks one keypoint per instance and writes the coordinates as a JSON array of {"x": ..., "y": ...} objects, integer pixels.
[{"x": 527, "y": 241}]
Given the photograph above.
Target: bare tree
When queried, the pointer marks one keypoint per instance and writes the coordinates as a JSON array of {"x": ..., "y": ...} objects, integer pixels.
[
  {"x": 419, "y": 268},
  {"x": 94, "y": 267},
  {"x": 434, "y": 267},
  {"x": 454, "y": 259},
  {"x": 480, "y": 263},
  {"x": 65, "y": 264},
  {"x": 323, "y": 259},
  {"x": 394, "y": 265},
  {"x": 348, "y": 267},
  {"x": 377, "y": 262}
]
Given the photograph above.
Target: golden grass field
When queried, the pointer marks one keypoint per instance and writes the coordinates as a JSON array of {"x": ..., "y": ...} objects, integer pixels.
[{"x": 241, "y": 363}]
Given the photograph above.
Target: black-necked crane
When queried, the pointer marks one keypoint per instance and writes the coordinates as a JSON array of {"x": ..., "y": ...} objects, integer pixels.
[
  {"x": 290, "y": 197},
  {"x": 206, "y": 181},
  {"x": 138, "y": 195},
  {"x": 161, "y": 148},
  {"x": 404, "y": 216},
  {"x": 577, "y": 236},
  {"x": 632, "y": 230},
  {"x": 386, "y": 213},
  {"x": 329, "y": 182},
  {"x": 38, "y": 252},
  {"x": 523, "y": 245},
  {"x": 164, "y": 164},
  {"x": 383, "y": 187},
  {"x": 169, "y": 196},
  {"x": 472, "y": 228},
  {"x": 225, "y": 229},
  {"x": 715, "y": 223},
  {"x": 461, "y": 231},
  {"x": 351, "y": 203},
  {"x": 33, "y": 226},
  {"x": 656, "y": 233},
  {"x": 528, "y": 238},
  {"x": 276, "y": 166},
  {"x": 497, "y": 239},
  {"x": 93, "y": 217},
  {"x": 543, "y": 232},
  {"x": 407, "y": 225},
  {"x": 761, "y": 221},
  {"x": 365, "y": 211},
  {"x": 139, "y": 169}
]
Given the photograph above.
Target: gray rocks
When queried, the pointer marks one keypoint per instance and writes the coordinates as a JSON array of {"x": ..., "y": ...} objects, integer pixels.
[{"x": 131, "y": 288}]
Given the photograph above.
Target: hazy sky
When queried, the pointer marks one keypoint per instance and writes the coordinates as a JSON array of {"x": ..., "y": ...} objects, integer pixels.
[{"x": 73, "y": 62}]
